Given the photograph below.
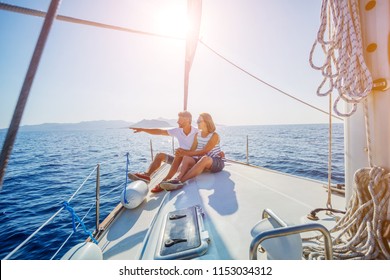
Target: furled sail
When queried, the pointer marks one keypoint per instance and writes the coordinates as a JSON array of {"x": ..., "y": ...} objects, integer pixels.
[{"x": 194, "y": 13}]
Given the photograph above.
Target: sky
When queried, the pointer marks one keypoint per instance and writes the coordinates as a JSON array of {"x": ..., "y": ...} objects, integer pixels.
[{"x": 87, "y": 73}]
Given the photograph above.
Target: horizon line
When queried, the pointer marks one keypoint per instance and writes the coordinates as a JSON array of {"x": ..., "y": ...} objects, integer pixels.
[{"x": 131, "y": 123}]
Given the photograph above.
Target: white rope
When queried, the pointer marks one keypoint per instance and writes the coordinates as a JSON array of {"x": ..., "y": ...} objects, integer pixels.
[
  {"x": 330, "y": 138},
  {"x": 368, "y": 133},
  {"x": 359, "y": 233},
  {"x": 344, "y": 68}
]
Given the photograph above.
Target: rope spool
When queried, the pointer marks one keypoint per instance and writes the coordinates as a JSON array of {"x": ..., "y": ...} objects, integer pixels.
[{"x": 359, "y": 234}]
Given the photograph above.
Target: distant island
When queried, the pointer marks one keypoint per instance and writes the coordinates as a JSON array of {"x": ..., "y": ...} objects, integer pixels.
[
  {"x": 151, "y": 124},
  {"x": 102, "y": 124},
  {"x": 97, "y": 125}
]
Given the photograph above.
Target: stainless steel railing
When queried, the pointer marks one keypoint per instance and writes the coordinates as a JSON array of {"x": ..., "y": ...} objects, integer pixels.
[
  {"x": 97, "y": 198},
  {"x": 286, "y": 230}
]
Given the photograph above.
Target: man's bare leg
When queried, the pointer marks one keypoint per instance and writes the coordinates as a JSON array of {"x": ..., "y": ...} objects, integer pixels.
[
  {"x": 174, "y": 167},
  {"x": 156, "y": 163}
]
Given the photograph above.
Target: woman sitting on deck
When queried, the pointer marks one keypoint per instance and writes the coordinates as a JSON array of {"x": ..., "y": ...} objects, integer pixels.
[{"x": 205, "y": 154}]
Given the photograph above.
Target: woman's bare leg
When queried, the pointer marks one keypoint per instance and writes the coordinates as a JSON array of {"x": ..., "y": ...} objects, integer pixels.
[
  {"x": 186, "y": 164},
  {"x": 204, "y": 163}
]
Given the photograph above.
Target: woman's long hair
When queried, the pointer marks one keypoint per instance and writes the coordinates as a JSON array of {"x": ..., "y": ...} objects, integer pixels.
[{"x": 209, "y": 121}]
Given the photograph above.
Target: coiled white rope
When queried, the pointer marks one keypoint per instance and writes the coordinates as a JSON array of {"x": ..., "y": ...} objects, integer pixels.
[
  {"x": 344, "y": 68},
  {"x": 359, "y": 233}
]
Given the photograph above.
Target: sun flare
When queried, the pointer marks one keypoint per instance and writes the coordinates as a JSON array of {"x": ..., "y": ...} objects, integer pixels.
[{"x": 173, "y": 21}]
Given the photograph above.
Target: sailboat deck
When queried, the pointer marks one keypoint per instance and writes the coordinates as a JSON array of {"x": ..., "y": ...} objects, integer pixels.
[{"x": 232, "y": 202}]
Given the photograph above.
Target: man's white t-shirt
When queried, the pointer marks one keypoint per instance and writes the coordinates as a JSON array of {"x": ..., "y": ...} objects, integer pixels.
[{"x": 185, "y": 141}]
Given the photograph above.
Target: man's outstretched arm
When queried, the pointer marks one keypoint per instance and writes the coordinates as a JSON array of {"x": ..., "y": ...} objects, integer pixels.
[{"x": 154, "y": 131}]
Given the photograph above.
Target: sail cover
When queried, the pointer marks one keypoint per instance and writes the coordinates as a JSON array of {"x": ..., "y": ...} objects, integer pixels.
[{"x": 194, "y": 13}]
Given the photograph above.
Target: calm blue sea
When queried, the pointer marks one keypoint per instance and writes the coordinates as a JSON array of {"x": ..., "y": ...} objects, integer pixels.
[{"x": 47, "y": 167}]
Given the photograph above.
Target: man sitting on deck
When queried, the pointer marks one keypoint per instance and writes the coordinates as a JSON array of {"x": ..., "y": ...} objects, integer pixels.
[{"x": 185, "y": 134}]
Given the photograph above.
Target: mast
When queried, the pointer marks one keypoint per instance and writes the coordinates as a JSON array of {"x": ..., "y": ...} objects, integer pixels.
[
  {"x": 194, "y": 14},
  {"x": 365, "y": 146}
]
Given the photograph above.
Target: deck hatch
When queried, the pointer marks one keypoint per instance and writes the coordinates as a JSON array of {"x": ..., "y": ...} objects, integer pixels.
[{"x": 183, "y": 235}]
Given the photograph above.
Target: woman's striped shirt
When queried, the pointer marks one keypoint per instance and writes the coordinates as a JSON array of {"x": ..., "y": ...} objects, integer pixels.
[{"x": 202, "y": 142}]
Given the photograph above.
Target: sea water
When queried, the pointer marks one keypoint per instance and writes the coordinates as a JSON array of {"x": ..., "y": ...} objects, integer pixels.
[{"x": 46, "y": 169}]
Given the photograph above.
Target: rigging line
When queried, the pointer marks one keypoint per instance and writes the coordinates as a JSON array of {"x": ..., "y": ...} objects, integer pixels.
[
  {"x": 82, "y": 184},
  {"x": 267, "y": 84},
  {"x": 62, "y": 245},
  {"x": 33, "y": 234},
  {"x": 112, "y": 190},
  {"x": 49, "y": 220},
  {"x": 70, "y": 235},
  {"x": 330, "y": 138},
  {"x": 25, "y": 91},
  {"x": 52, "y": 217},
  {"x": 32, "y": 12}
]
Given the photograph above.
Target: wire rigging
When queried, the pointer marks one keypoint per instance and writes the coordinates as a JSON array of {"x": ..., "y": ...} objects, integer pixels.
[
  {"x": 129, "y": 30},
  {"x": 25, "y": 91},
  {"x": 265, "y": 83},
  {"x": 37, "y": 13}
]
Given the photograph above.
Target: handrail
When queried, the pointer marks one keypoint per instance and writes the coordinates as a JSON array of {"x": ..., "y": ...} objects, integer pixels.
[
  {"x": 97, "y": 220},
  {"x": 247, "y": 149},
  {"x": 151, "y": 149},
  {"x": 269, "y": 213},
  {"x": 289, "y": 230}
]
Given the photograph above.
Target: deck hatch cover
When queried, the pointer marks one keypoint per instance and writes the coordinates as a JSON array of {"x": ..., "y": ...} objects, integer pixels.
[{"x": 183, "y": 236}]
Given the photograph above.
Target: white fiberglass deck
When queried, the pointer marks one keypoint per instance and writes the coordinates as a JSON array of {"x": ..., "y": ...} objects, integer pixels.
[{"x": 232, "y": 200}]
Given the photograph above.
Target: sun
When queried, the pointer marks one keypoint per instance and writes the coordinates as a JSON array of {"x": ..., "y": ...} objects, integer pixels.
[{"x": 173, "y": 21}]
